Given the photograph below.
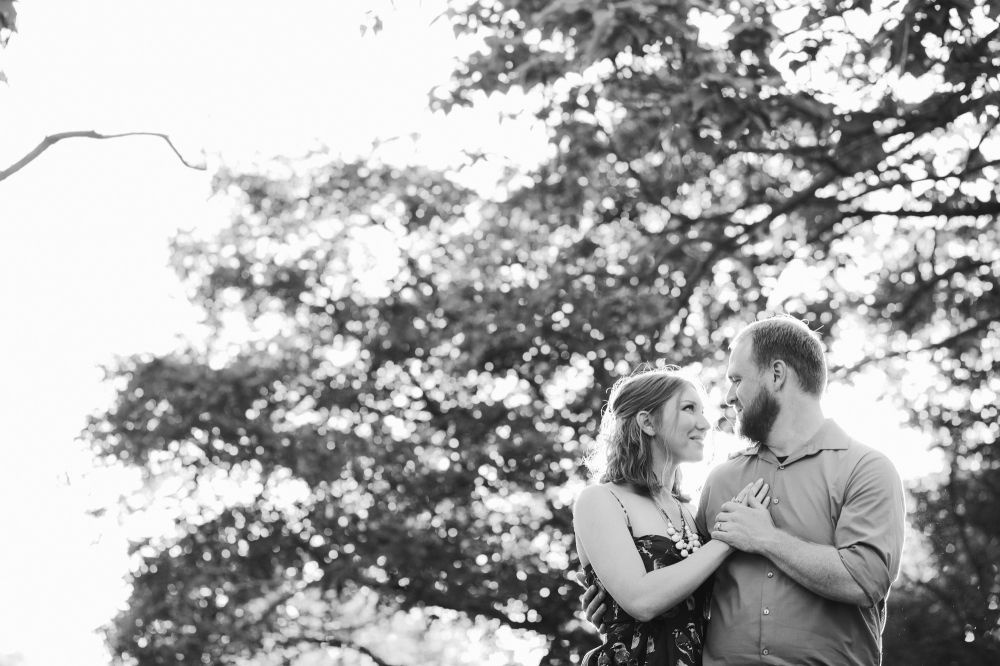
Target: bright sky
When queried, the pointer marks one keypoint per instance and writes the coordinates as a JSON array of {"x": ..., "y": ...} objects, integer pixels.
[{"x": 84, "y": 232}]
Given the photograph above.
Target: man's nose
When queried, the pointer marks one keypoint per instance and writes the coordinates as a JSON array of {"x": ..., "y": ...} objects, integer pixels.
[{"x": 731, "y": 395}]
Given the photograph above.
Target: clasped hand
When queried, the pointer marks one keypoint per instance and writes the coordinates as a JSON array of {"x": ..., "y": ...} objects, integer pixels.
[
  {"x": 745, "y": 525},
  {"x": 752, "y": 498}
]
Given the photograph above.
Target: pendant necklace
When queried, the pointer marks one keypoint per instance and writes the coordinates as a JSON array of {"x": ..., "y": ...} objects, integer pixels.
[{"x": 683, "y": 539}]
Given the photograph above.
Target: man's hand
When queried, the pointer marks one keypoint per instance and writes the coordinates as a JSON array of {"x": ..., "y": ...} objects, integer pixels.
[
  {"x": 592, "y": 602},
  {"x": 745, "y": 527}
]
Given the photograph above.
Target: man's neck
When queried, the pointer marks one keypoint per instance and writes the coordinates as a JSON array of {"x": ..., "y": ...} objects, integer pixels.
[{"x": 796, "y": 425}]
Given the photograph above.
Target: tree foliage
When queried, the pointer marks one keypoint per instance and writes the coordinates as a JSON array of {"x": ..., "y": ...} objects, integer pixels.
[
  {"x": 404, "y": 415},
  {"x": 8, "y": 25}
]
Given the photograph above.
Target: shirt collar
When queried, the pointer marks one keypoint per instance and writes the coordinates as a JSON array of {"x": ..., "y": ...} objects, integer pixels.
[{"x": 830, "y": 436}]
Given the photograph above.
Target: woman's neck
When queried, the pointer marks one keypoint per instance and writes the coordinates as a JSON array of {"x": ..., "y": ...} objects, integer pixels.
[{"x": 667, "y": 477}]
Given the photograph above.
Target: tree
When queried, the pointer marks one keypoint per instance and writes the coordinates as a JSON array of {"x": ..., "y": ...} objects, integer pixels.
[{"x": 415, "y": 436}]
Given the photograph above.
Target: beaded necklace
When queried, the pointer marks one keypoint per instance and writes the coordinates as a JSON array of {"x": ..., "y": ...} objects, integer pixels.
[{"x": 683, "y": 539}]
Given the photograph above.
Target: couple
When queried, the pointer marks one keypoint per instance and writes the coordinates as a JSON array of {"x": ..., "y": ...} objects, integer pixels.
[{"x": 796, "y": 539}]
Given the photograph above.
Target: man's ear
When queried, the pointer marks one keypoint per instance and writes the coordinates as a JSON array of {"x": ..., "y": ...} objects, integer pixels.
[
  {"x": 777, "y": 374},
  {"x": 645, "y": 421}
]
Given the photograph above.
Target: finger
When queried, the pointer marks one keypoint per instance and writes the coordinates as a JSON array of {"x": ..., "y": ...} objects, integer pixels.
[
  {"x": 742, "y": 495},
  {"x": 597, "y": 617},
  {"x": 595, "y": 609},
  {"x": 588, "y": 596},
  {"x": 759, "y": 504},
  {"x": 761, "y": 491},
  {"x": 581, "y": 578}
]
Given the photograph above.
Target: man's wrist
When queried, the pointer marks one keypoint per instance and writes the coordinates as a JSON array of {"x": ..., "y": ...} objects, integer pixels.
[{"x": 771, "y": 541}]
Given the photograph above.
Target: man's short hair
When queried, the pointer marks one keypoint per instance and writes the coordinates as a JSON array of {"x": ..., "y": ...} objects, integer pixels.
[{"x": 785, "y": 338}]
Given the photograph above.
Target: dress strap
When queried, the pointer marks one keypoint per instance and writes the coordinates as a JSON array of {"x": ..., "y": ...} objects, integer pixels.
[{"x": 628, "y": 522}]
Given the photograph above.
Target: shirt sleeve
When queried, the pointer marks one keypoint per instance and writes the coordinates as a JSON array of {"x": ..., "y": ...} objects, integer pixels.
[
  {"x": 869, "y": 533},
  {"x": 699, "y": 517}
]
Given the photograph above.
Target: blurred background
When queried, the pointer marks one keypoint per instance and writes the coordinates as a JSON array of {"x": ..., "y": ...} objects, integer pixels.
[{"x": 325, "y": 398}]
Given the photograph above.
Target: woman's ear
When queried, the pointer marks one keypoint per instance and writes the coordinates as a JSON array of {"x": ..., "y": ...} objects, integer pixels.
[{"x": 645, "y": 421}]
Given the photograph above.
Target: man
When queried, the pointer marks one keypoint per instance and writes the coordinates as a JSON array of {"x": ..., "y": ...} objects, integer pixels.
[{"x": 809, "y": 581}]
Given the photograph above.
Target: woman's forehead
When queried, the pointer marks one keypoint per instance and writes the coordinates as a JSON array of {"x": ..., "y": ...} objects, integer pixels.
[{"x": 688, "y": 392}]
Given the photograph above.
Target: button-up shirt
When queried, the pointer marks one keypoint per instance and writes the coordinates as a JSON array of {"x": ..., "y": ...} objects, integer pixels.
[{"x": 833, "y": 491}]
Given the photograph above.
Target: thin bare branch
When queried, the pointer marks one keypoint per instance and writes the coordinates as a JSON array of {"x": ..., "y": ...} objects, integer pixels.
[
  {"x": 330, "y": 641},
  {"x": 54, "y": 138},
  {"x": 843, "y": 371}
]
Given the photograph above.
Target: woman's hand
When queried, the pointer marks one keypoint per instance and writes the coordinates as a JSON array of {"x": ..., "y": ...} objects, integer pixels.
[
  {"x": 757, "y": 490},
  {"x": 745, "y": 524}
]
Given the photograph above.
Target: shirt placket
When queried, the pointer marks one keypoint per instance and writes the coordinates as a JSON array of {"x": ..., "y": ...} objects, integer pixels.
[{"x": 769, "y": 586}]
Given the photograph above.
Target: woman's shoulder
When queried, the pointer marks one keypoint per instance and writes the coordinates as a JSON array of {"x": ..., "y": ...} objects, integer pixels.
[{"x": 602, "y": 493}]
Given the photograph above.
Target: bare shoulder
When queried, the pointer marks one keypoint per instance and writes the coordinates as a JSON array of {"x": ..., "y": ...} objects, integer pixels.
[{"x": 598, "y": 496}]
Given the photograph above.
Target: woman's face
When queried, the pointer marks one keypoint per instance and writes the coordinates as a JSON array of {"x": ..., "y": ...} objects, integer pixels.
[{"x": 683, "y": 426}]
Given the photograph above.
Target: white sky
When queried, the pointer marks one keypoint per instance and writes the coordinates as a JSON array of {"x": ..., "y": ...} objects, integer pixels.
[{"x": 84, "y": 231}]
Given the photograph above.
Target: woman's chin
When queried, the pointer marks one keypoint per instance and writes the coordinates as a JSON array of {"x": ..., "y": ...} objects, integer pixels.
[{"x": 696, "y": 456}]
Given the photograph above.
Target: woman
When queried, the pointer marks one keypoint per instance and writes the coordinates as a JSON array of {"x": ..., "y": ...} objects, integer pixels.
[{"x": 634, "y": 531}]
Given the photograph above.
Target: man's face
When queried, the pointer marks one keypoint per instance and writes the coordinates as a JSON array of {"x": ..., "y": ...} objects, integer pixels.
[{"x": 756, "y": 408}]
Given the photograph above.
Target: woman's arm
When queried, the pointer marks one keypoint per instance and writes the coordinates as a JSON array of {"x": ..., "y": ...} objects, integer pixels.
[{"x": 604, "y": 541}]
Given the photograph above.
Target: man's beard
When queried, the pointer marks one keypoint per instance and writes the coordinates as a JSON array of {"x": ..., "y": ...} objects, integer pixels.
[{"x": 758, "y": 418}]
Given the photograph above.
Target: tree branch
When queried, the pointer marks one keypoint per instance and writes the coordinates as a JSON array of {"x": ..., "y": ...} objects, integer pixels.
[
  {"x": 330, "y": 641},
  {"x": 843, "y": 371},
  {"x": 54, "y": 138}
]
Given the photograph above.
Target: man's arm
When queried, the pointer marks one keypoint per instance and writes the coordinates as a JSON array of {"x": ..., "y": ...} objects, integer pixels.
[
  {"x": 815, "y": 567},
  {"x": 592, "y": 602}
]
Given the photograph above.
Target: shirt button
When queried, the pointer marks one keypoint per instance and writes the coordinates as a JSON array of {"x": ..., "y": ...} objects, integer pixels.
[
  {"x": 770, "y": 575},
  {"x": 764, "y": 652},
  {"x": 767, "y": 612},
  {"x": 775, "y": 500},
  {"x": 781, "y": 467}
]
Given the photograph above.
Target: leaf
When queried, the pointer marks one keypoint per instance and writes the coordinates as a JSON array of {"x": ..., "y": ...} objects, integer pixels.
[
  {"x": 364, "y": 29},
  {"x": 8, "y": 15}
]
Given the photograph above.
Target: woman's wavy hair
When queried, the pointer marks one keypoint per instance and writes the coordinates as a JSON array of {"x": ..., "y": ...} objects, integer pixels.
[{"x": 623, "y": 453}]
